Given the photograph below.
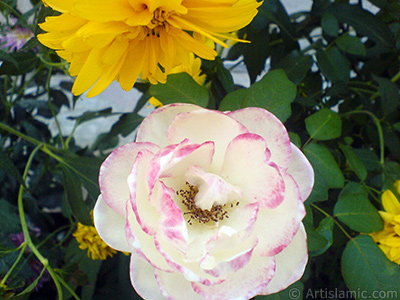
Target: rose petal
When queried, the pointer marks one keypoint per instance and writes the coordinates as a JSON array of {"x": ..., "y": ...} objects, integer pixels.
[
  {"x": 212, "y": 189},
  {"x": 110, "y": 226},
  {"x": 200, "y": 126},
  {"x": 243, "y": 284},
  {"x": 154, "y": 127},
  {"x": 229, "y": 261},
  {"x": 245, "y": 166},
  {"x": 173, "y": 160},
  {"x": 114, "y": 173},
  {"x": 175, "y": 287},
  {"x": 234, "y": 230},
  {"x": 143, "y": 279},
  {"x": 290, "y": 263},
  {"x": 146, "y": 214},
  {"x": 276, "y": 227},
  {"x": 172, "y": 224},
  {"x": 190, "y": 270},
  {"x": 302, "y": 172},
  {"x": 143, "y": 243},
  {"x": 265, "y": 124}
]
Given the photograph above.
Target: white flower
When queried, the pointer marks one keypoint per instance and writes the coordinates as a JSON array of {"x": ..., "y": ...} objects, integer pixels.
[{"x": 210, "y": 204}]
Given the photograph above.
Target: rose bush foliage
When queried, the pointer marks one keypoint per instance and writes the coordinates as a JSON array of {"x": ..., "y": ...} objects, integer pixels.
[{"x": 209, "y": 203}]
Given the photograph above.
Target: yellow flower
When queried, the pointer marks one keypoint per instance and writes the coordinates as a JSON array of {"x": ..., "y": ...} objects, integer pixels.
[
  {"x": 193, "y": 68},
  {"x": 389, "y": 238},
  {"x": 88, "y": 238},
  {"x": 121, "y": 40}
]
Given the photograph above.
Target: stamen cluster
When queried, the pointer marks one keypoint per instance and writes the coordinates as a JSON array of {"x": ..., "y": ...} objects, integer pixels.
[{"x": 217, "y": 213}]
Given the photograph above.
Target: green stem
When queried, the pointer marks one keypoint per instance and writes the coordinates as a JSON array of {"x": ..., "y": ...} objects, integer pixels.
[
  {"x": 68, "y": 288},
  {"x": 27, "y": 138},
  {"x": 16, "y": 13},
  {"x": 359, "y": 90},
  {"x": 333, "y": 219},
  {"x": 379, "y": 128},
  {"x": 3, "y": 281},
  {"x": 49, "y": 101},
  {"x": 44, "y": 261},
  {"x": 395, "y": 77}
]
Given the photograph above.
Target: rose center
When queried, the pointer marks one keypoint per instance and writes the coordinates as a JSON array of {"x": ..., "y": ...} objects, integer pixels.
[
  {"x": 215, "y": 214},
  {"x": 207, "y": 196}
]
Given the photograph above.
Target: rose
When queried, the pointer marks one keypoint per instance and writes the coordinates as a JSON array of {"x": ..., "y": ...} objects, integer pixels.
[{"x": 209, "y": 203}]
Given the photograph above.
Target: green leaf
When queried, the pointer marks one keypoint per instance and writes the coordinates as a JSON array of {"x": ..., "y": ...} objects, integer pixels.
[
  {"x": 355, "y": 163},
  {"x": 320, "y": 189},
  {"x": 180, "y": 88},
  {"x": 26, "y": 62},
  {"x": 365, "y": 23},
  {"x": 4, "y": 56},
  {"x": 126, "y": 124},
  {"x": 24, "y": 295},
  {"x": 292, "y": 292},
  {"x": 321, "y": 238},
  {"x": 274, "y": 92},
  {"x": 324, "y": 163},
  {"x": 233, "y": 101},
  {"x": 225, "y": 77},
  {"x": 355, "y": 210},
  {"x": 369, "y": 159},
  {"x": 389, "y": 93},
  {"x": 8, "y": 166},
  {"x": 73, "y": 194},
  {"x": 86, "y": 169},
  {"x": 333, "y": 64},
  {"x": 351, "y": 44},
  {"x": 324, "y": 125},
  {"x": 9, "y": 219},
  {"x": 295, "y": 139},
  {"x": 90, "y": 115},
  {"x": 296, "y": 65},
  {"x": 256, "y": 52},
  {"x": 365, "y": 268},
  {"x": 325, "y": 229},
  {"x": 330, "y": 24}
]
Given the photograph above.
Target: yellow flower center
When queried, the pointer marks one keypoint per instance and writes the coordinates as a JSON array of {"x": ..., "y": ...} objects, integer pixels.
[{"x": 159, "y": 19}]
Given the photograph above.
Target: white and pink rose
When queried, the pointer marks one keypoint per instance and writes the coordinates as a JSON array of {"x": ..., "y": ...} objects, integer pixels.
[{"x": 209, "y": 203}]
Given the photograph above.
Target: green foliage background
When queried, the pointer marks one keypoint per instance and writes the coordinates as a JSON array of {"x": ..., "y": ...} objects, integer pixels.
[{"x": 334, "y": 82}]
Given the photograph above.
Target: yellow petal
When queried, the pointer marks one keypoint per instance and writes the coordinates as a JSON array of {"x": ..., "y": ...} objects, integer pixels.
[
  {"x": 386, "y": 217},
  {"x": 132, "y": 66},
  {"x": 77, "y": 62},
  {"x": 90, "y": 72},
  {"x": 223, "y": 19},
  {"x": 155, "y": 102},
  {"x": 60, "y": 5},
  {"x": 99, "y": 35},
  {"x": 391, "y": 241},
  {"x": 103, "y": 10},
  {"x": 106, "y": 78},
  {"x": 184, "y": 41},
  {"x": 390, "y": 203},
  {"x": 63, "y": 23},
  {"x": 397, "y": 186}
]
